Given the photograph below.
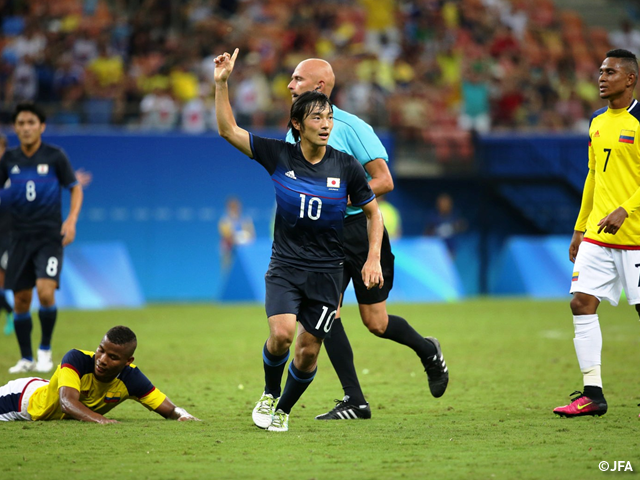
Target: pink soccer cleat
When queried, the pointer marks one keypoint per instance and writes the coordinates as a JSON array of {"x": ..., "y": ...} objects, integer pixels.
[{"x": 582, "y": 405}]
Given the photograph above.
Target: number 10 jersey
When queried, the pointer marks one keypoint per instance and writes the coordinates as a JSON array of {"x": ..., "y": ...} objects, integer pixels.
[{"x": 311, "y": 202}]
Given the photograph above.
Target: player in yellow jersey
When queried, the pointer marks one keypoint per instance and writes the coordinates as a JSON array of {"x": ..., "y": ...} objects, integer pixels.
[
  {"x": 87, "y": 385},
  {"x": 606, "y": 241}
]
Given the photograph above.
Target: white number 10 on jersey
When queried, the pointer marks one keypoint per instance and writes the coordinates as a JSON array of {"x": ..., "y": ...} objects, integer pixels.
[{"x": 314, "y": 204}]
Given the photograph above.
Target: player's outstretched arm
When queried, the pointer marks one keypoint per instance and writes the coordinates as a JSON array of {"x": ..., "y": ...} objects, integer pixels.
[
  {"x": 168, "y": 410},
  {"x": 71, "y": 406},
  {"x": 227, "y": 126},
  {"x": 372, "y": 271},
  {"x": 68, "y": 230}
]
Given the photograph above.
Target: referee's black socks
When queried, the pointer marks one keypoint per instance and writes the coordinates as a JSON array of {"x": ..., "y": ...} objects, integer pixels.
[
  {"x": 273, "y": 370},
  {"x": 341, "y": 355},
  {"x": 400, "y": 331}
]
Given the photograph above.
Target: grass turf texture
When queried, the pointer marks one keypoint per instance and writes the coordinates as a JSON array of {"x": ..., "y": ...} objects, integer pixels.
[{"x": 511, "y": 363}]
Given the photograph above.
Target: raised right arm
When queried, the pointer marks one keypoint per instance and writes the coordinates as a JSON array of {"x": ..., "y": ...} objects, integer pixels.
[{"x": 227, "y": 126}]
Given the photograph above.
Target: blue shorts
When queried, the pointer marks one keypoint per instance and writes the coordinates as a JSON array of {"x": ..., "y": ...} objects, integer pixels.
[
  {"x": 33, "y": 256},
  {"x": 312, "y": 297}
]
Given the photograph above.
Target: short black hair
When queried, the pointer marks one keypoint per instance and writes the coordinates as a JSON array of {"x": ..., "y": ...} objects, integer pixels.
[
  {"x": 28, "y": 107},
  {"x": 121, "y": 335},
  {"x": 629, "y": 59},
  {"x": 304, "y": 105}
]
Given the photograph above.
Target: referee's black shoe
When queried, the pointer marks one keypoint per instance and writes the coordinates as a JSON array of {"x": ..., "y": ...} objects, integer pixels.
[
  {"x": 436, "y": 369},
  {"x": 347, "y": 411}
]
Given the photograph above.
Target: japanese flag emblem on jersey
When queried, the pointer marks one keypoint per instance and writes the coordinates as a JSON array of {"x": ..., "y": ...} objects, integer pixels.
[
  {"x": 43, "y": 169},
  {"x": 333, "y": 182}
]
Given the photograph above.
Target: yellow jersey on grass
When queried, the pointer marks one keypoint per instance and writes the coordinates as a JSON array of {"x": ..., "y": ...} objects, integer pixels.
[
  {"x": 614, "y": 175},
  {"x": 77, "y": 371}
]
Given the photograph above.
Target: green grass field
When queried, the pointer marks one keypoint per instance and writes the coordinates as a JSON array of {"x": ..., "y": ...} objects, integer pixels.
[{"x": 511, "y": 363}]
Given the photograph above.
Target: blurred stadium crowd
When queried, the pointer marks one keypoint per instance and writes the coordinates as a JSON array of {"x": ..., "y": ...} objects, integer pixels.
[{"x": 407, "y": 65}]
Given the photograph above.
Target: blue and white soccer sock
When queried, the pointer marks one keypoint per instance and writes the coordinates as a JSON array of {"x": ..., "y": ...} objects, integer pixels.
[
  {"x": 588, "y": 345},
  {"x": 23, "y": 325},
  {"x": 297, "y": 383},
  {"x": 48, "y": 316},
  {"x": 273, "y": 370}
]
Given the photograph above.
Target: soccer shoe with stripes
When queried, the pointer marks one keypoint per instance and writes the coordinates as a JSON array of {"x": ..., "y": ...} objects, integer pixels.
[
  {"x": 347, "y": 411},
  {"x": 279, "y": 422},
  {"x": 437, "y": 370},
  {"x": 581, "y": 405},
  {"x": 263, "y": 411},
  {"x": 44, "y": 363},
  {"x": 23, "y": 365}
]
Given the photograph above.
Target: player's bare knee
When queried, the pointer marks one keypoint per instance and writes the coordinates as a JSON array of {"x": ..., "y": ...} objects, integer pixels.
[
  {"x": 377, "y": 328},
  {"x": 306, "y": 358},
  {"x": 22, "y": 302},
  {"x": 637, "y": 308},
  {"x": 583, "y": 305},
  {"x": 280, "y": 341},
  {"x": 377, "y": 324}
]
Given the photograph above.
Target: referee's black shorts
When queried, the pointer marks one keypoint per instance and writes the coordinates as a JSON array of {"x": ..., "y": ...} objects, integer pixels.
[{"x": 356, "y": 249}]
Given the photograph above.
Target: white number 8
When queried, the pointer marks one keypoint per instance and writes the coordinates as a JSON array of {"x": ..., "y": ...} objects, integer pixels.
[
  {"x": 52, "y": 266},
  {"x": 31, "y": 190}
]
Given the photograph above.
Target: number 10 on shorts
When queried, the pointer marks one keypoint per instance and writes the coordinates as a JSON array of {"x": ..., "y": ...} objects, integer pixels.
[{"x": 328, "y": 321}]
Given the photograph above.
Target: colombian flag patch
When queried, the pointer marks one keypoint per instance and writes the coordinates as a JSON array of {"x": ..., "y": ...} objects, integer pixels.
[
  {"x": 627, "y": 136},
  {"x": 575, "y": 276},
  {"x": 112, "y": 397}
]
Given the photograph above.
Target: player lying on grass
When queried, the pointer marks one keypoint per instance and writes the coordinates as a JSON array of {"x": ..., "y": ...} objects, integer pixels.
[{"x": 87, "y": 385}]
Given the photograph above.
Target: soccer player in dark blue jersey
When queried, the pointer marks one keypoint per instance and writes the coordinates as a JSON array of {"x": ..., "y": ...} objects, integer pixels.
[
  {"x": 38, "y": 172},
  {"x": 355, "y": 137},
  {"x": 312, "y": 182},
  {"x": 5, "y": 237}
]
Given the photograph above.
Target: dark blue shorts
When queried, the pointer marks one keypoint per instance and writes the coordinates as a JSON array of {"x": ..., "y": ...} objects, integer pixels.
[
  {"x": 312, "y": 296},
  {"x": 33, "y": 256}
]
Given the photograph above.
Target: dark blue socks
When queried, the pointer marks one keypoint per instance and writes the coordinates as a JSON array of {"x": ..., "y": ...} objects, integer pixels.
[
  {"x": 273, "y": 370},
  {"x": 23, "y": 325},
  {"x": 297, "y": 383},
  {"x": 48, "y": 317}
]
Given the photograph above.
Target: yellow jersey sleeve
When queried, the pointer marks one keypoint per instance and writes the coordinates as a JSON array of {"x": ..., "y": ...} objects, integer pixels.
[
  {"x": 153, "y": 399},
  {"x": 587, "y": 201}
]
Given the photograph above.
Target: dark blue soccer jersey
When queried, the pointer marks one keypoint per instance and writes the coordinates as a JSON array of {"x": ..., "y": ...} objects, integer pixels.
[
  {"x": 36, "y": 185},
  {"x": 311, "y": 202}
]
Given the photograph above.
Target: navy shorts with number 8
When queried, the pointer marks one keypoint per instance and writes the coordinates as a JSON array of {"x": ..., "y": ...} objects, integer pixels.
[{"x": 33, "y": 256}]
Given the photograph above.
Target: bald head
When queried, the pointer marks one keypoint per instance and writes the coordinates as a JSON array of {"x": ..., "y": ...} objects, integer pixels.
[{"x": 312, "y": 74}]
